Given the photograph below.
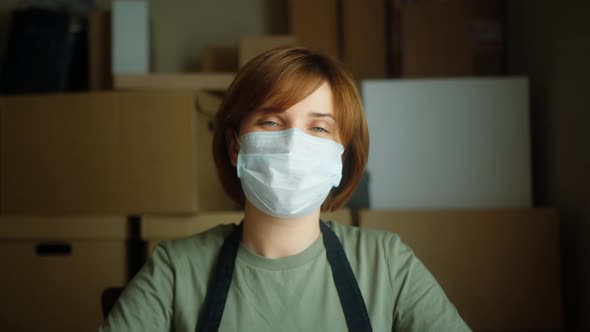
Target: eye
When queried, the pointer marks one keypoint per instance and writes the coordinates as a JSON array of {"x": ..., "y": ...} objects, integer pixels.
[
  {"x": 319, "y": 130},
  {"x": 268, "y": 123}
]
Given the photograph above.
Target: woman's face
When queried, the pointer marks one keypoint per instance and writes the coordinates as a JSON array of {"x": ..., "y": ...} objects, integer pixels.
[{"x": 313, "y": 115}]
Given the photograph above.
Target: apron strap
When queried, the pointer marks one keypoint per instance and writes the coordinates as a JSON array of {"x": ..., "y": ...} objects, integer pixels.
[
  {"x": 220, "y": 282},
  {"x": 351, "y": 298}
]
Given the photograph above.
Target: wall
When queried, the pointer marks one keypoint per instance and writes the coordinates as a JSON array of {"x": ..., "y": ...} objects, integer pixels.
[
  {"x": 549, "y": 42},
  {"x": 182, "y": 28}
]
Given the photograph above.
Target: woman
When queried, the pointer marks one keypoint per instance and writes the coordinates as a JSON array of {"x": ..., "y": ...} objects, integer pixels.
[{"x": 291, "y": 139}]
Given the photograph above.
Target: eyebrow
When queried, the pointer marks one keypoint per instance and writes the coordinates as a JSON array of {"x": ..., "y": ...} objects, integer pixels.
[{"x": 322, "y": 115}]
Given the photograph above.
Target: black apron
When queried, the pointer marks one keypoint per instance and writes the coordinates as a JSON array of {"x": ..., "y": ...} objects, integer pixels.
[{"x": 351, "y": 299}]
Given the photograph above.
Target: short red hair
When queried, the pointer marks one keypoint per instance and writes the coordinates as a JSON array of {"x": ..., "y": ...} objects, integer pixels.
[{"x": 280, "y": 78}]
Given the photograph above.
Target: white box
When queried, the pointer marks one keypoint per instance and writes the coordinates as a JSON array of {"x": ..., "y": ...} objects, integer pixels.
[
  {"x": 448, "y": 143},
  {"x": 130, "y": 29}
]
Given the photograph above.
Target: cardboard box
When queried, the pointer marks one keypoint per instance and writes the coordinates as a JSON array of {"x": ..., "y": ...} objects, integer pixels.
[
  {"x": 158, "y": 228},
  {"x": 194, "y": 82},
  {"x": 501, "y": 268},
  {"x": 343, "y": 216},
  {"x": 364, "y": 39},
  {"x": 353, "y": 31},
  {"x": 219, "y": 59},
  {"x": 448, "y": 38},
  {"x": 250, "y": 47},
  {"x": 212, "y": 197},
  {"x": 99, "y": 51},
  {"x": 56, "y": 268},
  {"x": 120, "y": 153},
  {"x": 207, "y": 104},
  {"x": 315, "y": 24}
]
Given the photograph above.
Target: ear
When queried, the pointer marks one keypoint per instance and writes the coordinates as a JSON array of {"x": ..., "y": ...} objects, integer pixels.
[{"x": 233, "y": 147}]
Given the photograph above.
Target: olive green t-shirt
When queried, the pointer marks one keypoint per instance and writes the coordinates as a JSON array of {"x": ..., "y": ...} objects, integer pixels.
[{"x": 296, "y": 293}]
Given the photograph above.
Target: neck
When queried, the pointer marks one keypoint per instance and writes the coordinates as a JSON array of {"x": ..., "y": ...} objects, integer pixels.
[{"x": 277, "y": 237}]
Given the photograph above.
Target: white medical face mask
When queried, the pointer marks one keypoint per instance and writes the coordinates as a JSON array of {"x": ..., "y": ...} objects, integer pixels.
[{"x": 288, "y": 173}]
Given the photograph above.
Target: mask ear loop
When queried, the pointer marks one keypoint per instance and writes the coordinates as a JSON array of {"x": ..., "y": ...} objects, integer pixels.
[
  {"x": 237, "y": 138},
  {"x": 237, "y": 148}
]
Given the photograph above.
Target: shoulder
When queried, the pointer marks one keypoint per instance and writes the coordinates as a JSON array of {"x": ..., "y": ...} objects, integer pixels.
[
  {"x": 202, "y": 246},
  {"x": 373, "y": 251},
  {"x": 367, "y": 238}
]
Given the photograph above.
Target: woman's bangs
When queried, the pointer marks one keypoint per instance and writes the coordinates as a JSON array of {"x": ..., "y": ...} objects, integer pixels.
[{"x": 289, "y": 89}]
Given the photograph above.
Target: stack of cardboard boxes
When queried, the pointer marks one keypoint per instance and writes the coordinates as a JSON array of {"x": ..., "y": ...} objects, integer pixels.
[{"x": 74, "y": 167}]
